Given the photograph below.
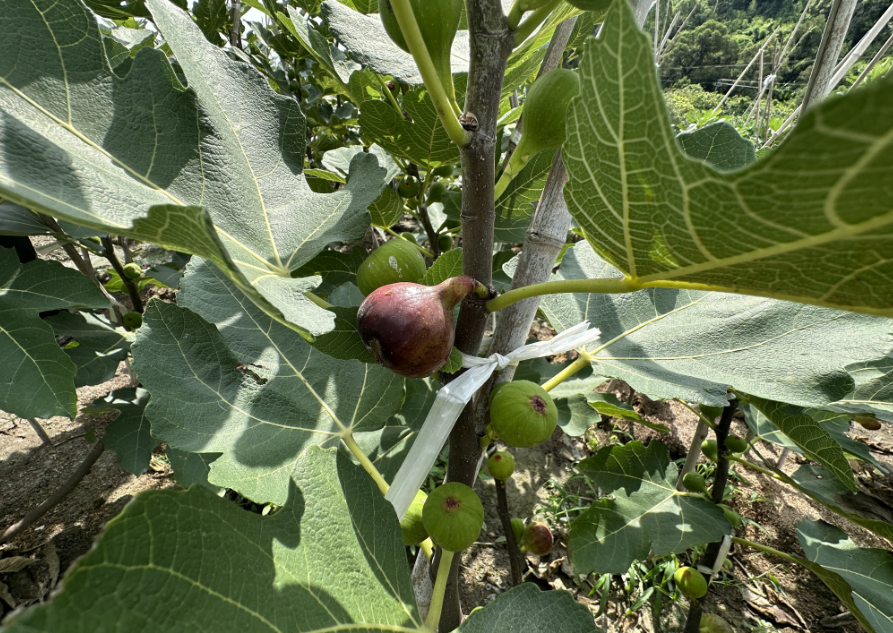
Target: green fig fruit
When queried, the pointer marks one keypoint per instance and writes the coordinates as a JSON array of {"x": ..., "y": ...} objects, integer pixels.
[
  {"x": 501, "y": 465},
  {"x": 390, "y": 263},
  {"x": 711, "y": 623},
  {"x": 445, "y": 242},
  {"x": 438, "y": 22},
  {"x": 443, "y": 171},
  {"x": 411, "y": 524},
  {"x": 868, "y": 422},
  {"x": 408, "y": 328},
  {"x": 132, "y": 270},
  {"x": 736, "y": 444},
  {"x": 691, "y": 582},
  {"x": 436, "y": 191},
  {"x": 409, "y": 237},
  {"x": 522, "y": 413},
  {"x": 538, "y": 539},
  {"x": 711, "y": 413},
  {"x": 731, "y": 516},
  {"x": 694, "y": 482},
  {"x": 408, "y": 187},
  {"x": 453, "y": 516},
  {"x": 709, "y": 448},
  {"x": 518, "y": 530},
  {"x": 132, "y": 320},
  {"x": 543, "y": 120}
]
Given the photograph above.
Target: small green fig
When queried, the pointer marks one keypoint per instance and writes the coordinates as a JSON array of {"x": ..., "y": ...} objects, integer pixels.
[
  {"x": 538, "y": 539},
  {"x": 409, "y": 187},
  {"x": 132, "y": 270},
  {"x": 694, "y": 482},
  {"x": 711, "y": 623},
  {"x": 408, "y": 328},
  {"x": 518, "y": 530},
  {"x": 691, "y": 582},
  {"x": 132, "y": 320},
  {"x": 411, "y": 524},
  {"x": 709, "y": 448},
  {"x": 438, "y": 22},
  {"x": 445, "y": 242},
  {"x": 436, "y": 191},
  {"x": 409, "y": 237},
  {"x": 868, "y": 422},
  {"x": 501, "y": 465},
  {"x": 736, "y": 444},
  {"x": 731, "y": 516},
  {"x": 443, "y": 171},
  {"x": 390, "y": 263},
  {"x": 453, "y": 516},
  {"x": 522, "y": 413}
]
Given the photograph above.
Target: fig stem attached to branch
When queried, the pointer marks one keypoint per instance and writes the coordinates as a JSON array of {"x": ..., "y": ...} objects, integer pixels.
[
  {"x": 436, "y": 90},
  {"x": 584, "y": 361},
  {"x": 602, "y": 286},
  {"x": 367, "y": 465},
  {"x": 536, "y": 17}
]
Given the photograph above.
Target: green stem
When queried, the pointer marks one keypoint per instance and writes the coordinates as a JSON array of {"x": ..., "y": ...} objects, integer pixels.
[
  {"x": 322, "y": 303},
  {"x": 367, "y": 465},
  {"x": 436, "y": 90},
  {"x": 771, "y": 550},
  {"x": 700, "y": 415},
  {"x": 424, "y": 250},
  {"x": 759, "y": 469},
  {"x": 515, "y": 14},
  {"x": 517, "y": 160},
  {"x": 427, "y": 548},
  {"x": 585, "y": 360},
  {"x": 533, "y": 20},
  {"x": 443, "y": 573},
  {"x": 601, "y": 286},
  {"x": 390, "y": 95}
]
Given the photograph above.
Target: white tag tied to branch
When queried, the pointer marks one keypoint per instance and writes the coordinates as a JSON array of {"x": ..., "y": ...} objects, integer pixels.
[{"x": 453, "y": 397}]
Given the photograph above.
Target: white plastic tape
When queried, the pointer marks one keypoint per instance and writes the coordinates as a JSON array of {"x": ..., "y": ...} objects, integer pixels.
[{"x": 452, "y": 398}]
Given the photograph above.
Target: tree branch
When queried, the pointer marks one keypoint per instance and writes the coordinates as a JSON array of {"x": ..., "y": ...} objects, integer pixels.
[{"x": 515, "y": 559}]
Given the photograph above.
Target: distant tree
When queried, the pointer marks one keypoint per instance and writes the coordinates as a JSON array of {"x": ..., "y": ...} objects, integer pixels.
[{"x": 702, "y": 54}]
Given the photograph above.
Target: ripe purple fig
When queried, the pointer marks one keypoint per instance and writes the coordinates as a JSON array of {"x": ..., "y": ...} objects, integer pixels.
[
  {"x": 409, "y": 328},
  {"x": 538, "y": 539}
]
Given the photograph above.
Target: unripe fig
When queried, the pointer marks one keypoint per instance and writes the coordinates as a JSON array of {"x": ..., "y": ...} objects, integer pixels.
[
  {"x": 868, "y": 422},
  {"x": 709, "y": 448},
  {"x": 711, "y": 623},
  {"x": 438, "y": 22},
  {"x": 501, "y": 465},
  {"x": 736, "y": 444},
  {"x": 409, "y": 237},
  {"x": 390, "y": 263},
  {"x": 694, "y": 482},
  {"x": 691, "y": 582},
  {"x": 132, "y": 270},
  {"x": 522, "y": 413},
  {"x": 411, "y": 524},
  {"x": 538, "y": 539},
  {"x": 408, "y": 328},
  {"x": 132, "y": 320},
  {"x": 518, "y": 530},
  {"x": 445, "y": 242},
  {"x": 444, "y": 171},
  {"x": 453, "y": 516},
  {"x": 436, "y": 191},
  {"x": 731, "y": 516},
  {"x": 409, "y": 187}
]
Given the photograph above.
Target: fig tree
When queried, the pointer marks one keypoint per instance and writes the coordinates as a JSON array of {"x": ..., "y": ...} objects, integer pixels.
[
  {"x": 736, "y": 444},
  {"x": 538, "y": 539},
  {"x": 132, "y": 270},
  {"x": 868, "y": 422},
  {"x": 709, "y": 448},
  {"x": 390, "y": 263},
  {"x": 691, "y": 582},
  {"x": 453, "y": 516},
  {"x": 438, "y": 22},
  {"x": 694, "y": 482},
  {"x": 522, "y": 413},
  {"x": 132, "y": 320},
  {"x": 411, "y": 524},
  {"x": 501, "y": 465},
  {"x": 408, "y": 328}
]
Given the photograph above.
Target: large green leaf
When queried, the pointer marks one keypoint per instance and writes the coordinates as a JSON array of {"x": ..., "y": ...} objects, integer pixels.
[
  {"x": 528, "y": 609},
  {"x": 859, "y": 507},
  {"x": 37, "y": 379},
  {"x": 214, "y": 169},
  {"x": 689, "y": 344},
  {"x": 249, "y": 388},
  {"x": 811, "y": 222},
  {"x": 867, "y": 570},
  {"x": 647, "y": 513},
  {"x": 129, "y": 434},
  {"x": 809, "y": 435},
  {"x": 719, "y": 145},
  {"x": 873, "y": 392},
  {"x": 331, "y": 559},
  {"x": 100, "y": 346}
]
